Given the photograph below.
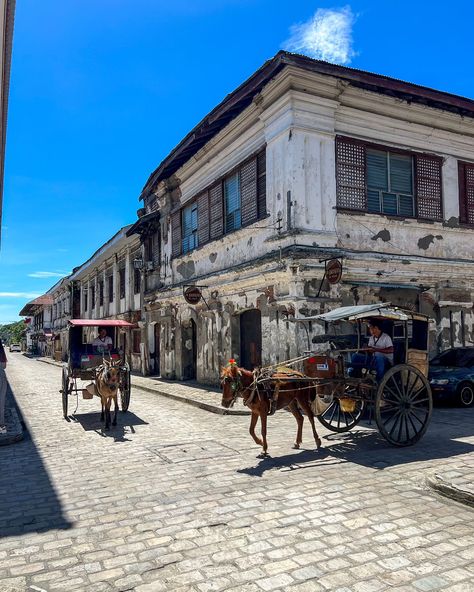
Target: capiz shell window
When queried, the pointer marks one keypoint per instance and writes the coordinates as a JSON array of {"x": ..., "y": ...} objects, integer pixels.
[{"x": 233, "y": 219}]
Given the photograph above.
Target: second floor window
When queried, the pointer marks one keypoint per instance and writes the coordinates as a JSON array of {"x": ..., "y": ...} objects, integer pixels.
[
  {"x": 92, "y": 297},
  {"x": 370, "y": 178},
  {"x": 101, "y": 293},
  {"x": 137, "y": 280},
  {"x": 189, "y": 228},
  {"x": 122, "y": 282},
  {"x": 85, "y": 300},
  {"x": 110, "y": 287},
  {"x": 233, "y": 219},
  {"x": 466, "y": 192},
  {"x": 390, "y": 183}
]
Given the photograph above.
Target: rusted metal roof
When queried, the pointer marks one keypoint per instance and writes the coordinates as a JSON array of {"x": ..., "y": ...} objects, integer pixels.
[
  {"x": 30, "y": 308},
  {"x": 242, "y": 97}
]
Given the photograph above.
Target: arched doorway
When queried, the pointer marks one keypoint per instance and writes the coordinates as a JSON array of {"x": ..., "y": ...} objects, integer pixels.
[
  {"x": 189, "y": 349},
  {"x": 251, "y": 339}
]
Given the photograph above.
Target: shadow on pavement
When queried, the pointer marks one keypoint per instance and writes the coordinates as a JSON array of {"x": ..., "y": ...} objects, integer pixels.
[
  {"x": 443, "y": 439},
  {"x": 28, "y": 500},
  {"x": 125, "y": 424}
]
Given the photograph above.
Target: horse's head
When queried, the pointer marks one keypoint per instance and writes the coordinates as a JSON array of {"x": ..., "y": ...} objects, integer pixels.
[
  {"x": 111, "y": 373},
  {"x": 234, "y": 380}
]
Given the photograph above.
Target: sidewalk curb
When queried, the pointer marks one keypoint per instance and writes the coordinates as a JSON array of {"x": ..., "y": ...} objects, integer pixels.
[
  {"x": 13, "y": 435},
  {"x": 200, "y": 404},
  {"x": 446, "y": 489},
  {"x": 156, "y": 391}
]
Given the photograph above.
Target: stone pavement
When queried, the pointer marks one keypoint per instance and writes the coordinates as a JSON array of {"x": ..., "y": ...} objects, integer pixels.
[
  {"x": 174, "y": 498},
  {"x": 189, "y": 392}
]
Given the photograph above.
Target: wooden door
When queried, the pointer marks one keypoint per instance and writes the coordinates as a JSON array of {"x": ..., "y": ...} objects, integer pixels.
[{"x": 250, "y": 339}]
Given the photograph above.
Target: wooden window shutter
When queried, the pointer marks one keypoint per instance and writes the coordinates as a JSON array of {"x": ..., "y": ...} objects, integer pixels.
[
  {"x": 248, "y": 192},
  {"x": 216, "y": 211},
  {"x": 350, "y": 174},
  {"x": 428, "y": 187},
  {"x": 466, "y": 192},
  {"x": 176, "y": 234},
  {"x": 156, "y": 248},
  {"x": 262, "y": 185},
  {"x": 203, "y": 218}
]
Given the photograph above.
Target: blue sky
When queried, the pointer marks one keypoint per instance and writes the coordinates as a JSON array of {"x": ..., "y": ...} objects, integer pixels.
[{"x": 101, "y": 91}]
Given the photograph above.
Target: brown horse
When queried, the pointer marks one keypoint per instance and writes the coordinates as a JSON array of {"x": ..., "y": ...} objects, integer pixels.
[
  {"x": 107, "y": 383},
  {"x": 295, "y": 395}
]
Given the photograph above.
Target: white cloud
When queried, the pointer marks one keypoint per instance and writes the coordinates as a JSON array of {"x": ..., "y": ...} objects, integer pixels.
[
  {"x": 19, "y": 295},
  {"x": 326, "y": 36},
  {"x": 46, "y": 274}
]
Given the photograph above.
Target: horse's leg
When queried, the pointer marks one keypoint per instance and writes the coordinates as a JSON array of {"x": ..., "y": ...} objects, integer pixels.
[
  {"x": 102, "y": 408},
  {"x": 107, "y": 413},
  {"x": 114, "y": 422},
  {"x": 263, "y": 422},
  {"x": 293, "y": 407},
  {"x": 306, "y": 406},
  {"x": 253, "y": 423}
]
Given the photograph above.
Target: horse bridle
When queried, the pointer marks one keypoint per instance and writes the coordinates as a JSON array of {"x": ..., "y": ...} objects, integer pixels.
[{"x": 238, "y": 388}]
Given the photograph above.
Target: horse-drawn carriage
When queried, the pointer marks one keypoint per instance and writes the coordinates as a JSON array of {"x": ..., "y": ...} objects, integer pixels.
[
  {"x": 105, "y": 369},
  {"x": 400, "y": 401}
]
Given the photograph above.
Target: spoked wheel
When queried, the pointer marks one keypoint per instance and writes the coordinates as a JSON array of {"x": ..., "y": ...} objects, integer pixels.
[
  {"x": 337, "y": 420},
  {"x": 403, "y": 405},
  {"x": 65, "y": 390},
  {"x": 125, "y": 388}
]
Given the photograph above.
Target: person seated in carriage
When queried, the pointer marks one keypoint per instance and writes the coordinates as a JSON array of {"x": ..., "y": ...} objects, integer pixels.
[
  {"x": 103, "y": 343},
  {"x": 378, "y": 355}
]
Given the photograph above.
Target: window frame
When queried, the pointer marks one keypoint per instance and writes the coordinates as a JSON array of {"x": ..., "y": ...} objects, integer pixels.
[
  {"x": 122, "y": 286},
  {"x": 389, "y": 189},
  {"x": 462, "y": 190},
  {"x": 193, "y": 208},
  {"x": 110, "y": 288},
  {"x": 395, "y": 150}
]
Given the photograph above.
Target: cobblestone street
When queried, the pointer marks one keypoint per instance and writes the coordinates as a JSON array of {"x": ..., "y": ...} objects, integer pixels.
[{"x": 174, "y": 498}]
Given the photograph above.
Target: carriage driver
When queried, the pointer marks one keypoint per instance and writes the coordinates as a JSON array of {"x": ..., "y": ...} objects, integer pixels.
[
  {"x": 377, "y": 356},
  {"x": 102, "y": 343}
]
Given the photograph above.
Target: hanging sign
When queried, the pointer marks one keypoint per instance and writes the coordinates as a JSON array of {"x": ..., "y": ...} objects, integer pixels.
[
  {"x": 333, "y": 271},
  {"x": 192, "y": 295}
]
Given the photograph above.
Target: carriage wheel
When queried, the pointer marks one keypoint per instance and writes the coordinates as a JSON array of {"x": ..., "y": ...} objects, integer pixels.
[
  {"x": 125, "y": 388},
  {"x": 337, "y": 420},
  {"x": 65, "y": 390},
  {"x": 403, "y": 405}
]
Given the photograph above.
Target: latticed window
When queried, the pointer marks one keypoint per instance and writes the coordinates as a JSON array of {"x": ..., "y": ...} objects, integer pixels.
[
  {"x": 373, "y": 179},
  {"x": 232, "y": 202},
  {"x": 466, "y": 192}
]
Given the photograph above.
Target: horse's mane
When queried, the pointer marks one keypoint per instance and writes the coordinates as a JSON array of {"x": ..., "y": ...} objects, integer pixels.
[{"x": 232, "y": 371}]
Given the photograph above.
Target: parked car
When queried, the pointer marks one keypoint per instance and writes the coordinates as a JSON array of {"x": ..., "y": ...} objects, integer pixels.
[
  {"x": 451, "y": 376},
  {"x": 15, "y": 347}
]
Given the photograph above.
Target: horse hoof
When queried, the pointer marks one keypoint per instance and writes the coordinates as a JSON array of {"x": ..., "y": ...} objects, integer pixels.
[
  {"x": 296, "y": 446},
  {"x": 318, "y": 444},
  {"x": 263, "y": 455}
]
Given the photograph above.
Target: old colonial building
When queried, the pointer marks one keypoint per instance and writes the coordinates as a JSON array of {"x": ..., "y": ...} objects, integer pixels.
[
  {"x": 306, "y": 162},
  {"x": 106, "y": 286},
  {"x": 39, "y": 332},
  {"x": 303, "y": 163}
]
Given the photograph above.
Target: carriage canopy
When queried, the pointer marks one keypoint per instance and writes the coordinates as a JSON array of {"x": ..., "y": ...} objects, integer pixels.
[{"x": 353, "y": 313}]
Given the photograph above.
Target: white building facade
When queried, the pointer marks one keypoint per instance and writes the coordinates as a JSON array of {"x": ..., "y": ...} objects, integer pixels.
[{"x": 303, "y": 163}]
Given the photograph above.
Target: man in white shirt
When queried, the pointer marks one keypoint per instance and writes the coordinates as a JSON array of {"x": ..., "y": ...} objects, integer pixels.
[
  {"x": 379, "y": 354},
  {"x": 103, "y": 343}
]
